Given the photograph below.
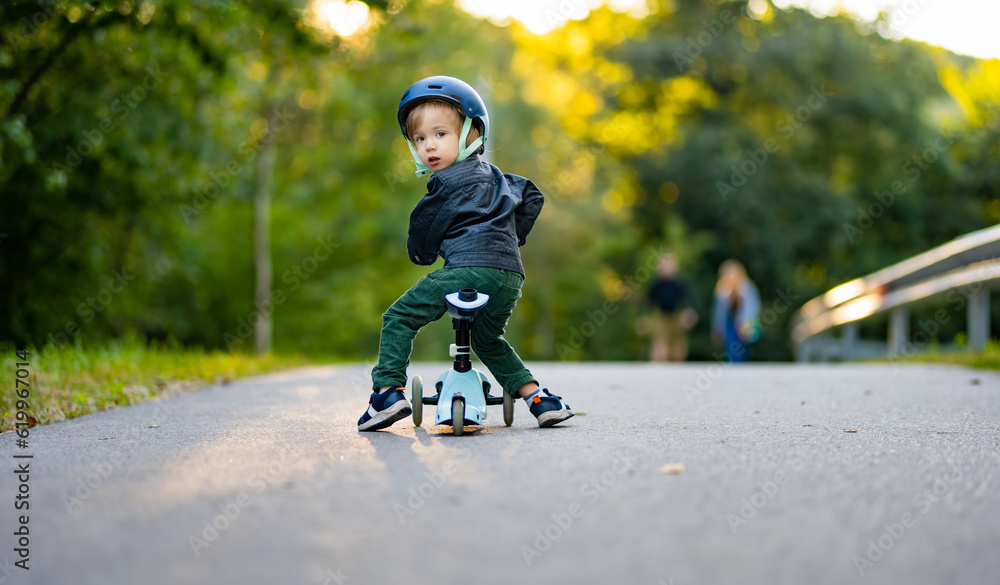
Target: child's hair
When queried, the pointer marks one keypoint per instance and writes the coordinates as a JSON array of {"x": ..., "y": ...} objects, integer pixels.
[{"x": 415, "y": 116}]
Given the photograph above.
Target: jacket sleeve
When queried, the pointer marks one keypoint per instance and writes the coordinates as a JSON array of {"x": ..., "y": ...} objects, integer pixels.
[
  {"x": 529, "y": 208},
  {"x": 429, "y": 223}
]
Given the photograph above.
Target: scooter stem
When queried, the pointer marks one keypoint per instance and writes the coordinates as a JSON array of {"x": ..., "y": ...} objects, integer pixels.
[{"x": 463, "y": 344}]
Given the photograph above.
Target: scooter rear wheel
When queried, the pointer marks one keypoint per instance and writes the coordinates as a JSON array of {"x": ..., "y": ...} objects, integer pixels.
[
  {"x": 458, "y": 416},
  {"x": 508, "y": 409},
  {"x": 417, "y": 400}
]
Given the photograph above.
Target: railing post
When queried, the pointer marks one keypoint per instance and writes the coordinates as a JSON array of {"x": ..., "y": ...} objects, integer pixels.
[
  {"x": 899, "y": 330},
  {"x": 849, "y": 341},
  {"x": 978, "y": 319},
  {"x": 802, "y": 351}
]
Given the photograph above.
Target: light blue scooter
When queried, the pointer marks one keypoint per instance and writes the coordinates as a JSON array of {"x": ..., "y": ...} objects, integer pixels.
[{"x": 463, "y": 393}]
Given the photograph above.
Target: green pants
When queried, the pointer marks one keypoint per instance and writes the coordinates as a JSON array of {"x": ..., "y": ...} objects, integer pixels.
[{"x": 425, "y": 303}]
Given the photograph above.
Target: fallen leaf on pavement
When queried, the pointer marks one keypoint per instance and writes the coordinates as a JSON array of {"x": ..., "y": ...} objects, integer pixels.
[
  {"x": 849, "y": 431},
  {"x": 673, "y": 468}
]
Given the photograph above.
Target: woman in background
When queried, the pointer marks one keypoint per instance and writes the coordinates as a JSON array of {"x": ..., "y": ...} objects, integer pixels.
[{"x": 735, "y": 311}]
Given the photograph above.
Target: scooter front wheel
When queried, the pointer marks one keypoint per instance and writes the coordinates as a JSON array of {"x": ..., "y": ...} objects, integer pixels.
[
  {"x": 457, "y": 416},
  {"x": 508, "y": 409},
  {"x": 417, "y": 400}
]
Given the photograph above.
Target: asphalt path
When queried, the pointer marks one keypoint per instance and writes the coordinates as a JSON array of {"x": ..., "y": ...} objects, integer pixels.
[{"x": 672, "y": 475}]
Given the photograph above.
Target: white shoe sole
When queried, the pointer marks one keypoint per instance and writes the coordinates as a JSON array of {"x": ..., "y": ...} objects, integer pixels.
[
  {"x": 554, "y": 417},
  {"x": 388, "y": 416}
]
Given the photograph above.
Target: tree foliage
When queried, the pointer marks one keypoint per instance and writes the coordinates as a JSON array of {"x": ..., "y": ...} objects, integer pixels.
[{"x": 812, "y": 149}]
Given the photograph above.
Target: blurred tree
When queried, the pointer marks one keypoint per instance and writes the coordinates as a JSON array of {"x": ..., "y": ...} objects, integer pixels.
[
  {"x": 91, "y": 110},
  {"x": 98, "y": 170},
  {"x": 811, "y": 150},
  {"x": 160, "y": 160}
]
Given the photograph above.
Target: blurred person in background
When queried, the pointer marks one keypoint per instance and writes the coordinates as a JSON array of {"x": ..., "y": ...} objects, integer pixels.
[
  {"x": 675, "y": 313},
  {"x": 735, "y": 311}
]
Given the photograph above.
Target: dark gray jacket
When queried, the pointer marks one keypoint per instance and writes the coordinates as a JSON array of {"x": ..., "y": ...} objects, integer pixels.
[{"x": 473, "y": 215}]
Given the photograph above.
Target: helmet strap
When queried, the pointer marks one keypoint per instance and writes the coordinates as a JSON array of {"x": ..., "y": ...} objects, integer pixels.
[
  {"x": 421, "y": 167},
  {"x": 465, "y": 152}
]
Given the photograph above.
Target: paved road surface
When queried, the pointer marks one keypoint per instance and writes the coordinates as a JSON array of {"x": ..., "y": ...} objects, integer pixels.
[{"x": 791, "y": 474}]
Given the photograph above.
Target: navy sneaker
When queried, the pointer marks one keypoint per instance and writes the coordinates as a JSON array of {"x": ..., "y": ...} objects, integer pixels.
[
  {"x": 549, "y": 409},
  {"x": 384, "y": 409}
]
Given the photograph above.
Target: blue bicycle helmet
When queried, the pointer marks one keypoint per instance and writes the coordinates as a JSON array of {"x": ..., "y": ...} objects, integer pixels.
[{"x": 453, "y": 91}]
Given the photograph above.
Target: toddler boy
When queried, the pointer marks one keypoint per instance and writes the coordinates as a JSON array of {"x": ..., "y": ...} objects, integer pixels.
[{"x": 475, "y": 217}]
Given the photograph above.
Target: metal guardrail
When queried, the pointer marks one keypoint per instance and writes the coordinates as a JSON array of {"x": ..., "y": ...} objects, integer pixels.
[{"x": 963, "y": 271}]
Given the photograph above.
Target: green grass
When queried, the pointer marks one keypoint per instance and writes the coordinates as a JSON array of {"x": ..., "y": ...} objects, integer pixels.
[
  {"x": 69, "y": 382},
  {"x": 988, "y": 359}
]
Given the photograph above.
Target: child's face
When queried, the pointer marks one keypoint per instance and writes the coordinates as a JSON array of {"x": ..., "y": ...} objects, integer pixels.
[{"x": 436, "y": 138}]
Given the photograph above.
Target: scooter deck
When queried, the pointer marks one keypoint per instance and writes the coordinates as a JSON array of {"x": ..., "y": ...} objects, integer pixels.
[{"x": 490, "y": 399}]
